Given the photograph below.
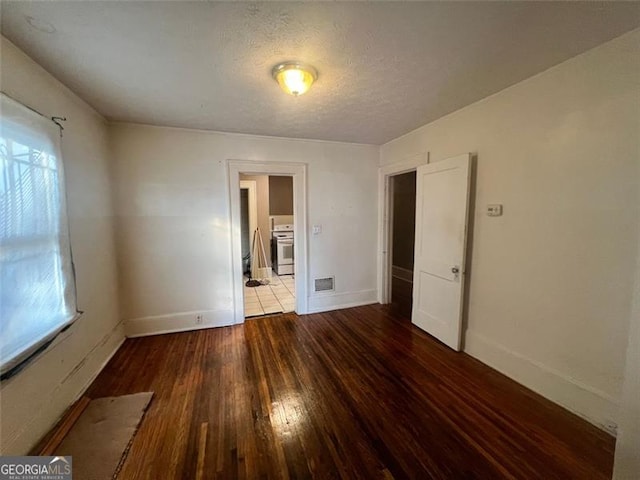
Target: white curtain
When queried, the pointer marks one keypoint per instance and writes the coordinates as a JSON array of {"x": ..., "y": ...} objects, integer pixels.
[{"x": 37, "y": 285}]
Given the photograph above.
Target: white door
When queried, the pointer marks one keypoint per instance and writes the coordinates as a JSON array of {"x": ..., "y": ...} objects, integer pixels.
[{"x": 442, "y": 199}]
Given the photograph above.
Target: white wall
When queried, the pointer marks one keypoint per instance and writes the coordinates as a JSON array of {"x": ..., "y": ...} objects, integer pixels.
[
  {"x": 173, "y": 221},
  {"x": 627, "y": 460},
  {"x": 34, "y": 399},
  {"x": 551, "y": 280}
]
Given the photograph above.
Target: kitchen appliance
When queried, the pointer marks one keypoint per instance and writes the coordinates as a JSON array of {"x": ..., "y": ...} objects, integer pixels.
[{"x": 282, "y": 249}]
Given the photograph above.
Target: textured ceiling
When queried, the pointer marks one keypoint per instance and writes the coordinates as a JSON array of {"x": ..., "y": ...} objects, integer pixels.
[{"x": 385, "y": 68}]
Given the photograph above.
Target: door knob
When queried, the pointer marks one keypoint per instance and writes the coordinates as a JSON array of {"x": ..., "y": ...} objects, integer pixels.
[{"x": 455, "y": 270}]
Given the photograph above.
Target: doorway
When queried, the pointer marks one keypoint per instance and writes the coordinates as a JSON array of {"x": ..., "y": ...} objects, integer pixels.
[
  {"x": 296, "y": 284},
  {"x": 440, "y": 244},
  {"x": 249, "y": 218},
  {"x": 267, "y": 246},
  {"x": 402, "y": 241}
]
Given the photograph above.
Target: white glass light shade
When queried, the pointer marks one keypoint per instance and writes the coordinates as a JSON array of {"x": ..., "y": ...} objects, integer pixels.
[{"x": 294, "y": 78}]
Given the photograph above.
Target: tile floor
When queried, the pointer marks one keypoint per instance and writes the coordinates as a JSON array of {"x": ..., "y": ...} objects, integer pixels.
[{"x": 278, "y": 296}]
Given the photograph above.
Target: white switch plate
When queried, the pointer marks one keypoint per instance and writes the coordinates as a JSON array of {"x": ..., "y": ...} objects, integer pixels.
[
  {"x": 317, "y": 229},
  {"x": 494, "y": 210}
]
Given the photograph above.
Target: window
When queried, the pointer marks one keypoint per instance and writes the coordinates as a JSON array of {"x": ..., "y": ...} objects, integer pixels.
[{"x": 37, "y": 286}]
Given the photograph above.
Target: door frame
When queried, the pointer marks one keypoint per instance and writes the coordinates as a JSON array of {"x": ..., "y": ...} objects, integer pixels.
[
  {"x": 300, "y": 245},
  {"x": 385, "y": 219}
]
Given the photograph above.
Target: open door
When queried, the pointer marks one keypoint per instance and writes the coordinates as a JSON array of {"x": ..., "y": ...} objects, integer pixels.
[{"x": 442, "y": 201}]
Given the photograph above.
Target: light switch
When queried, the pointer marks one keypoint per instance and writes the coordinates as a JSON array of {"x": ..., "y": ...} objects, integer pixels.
[
  {"x": 494, "y": 210},
  {"x": 317, "y": 229}
]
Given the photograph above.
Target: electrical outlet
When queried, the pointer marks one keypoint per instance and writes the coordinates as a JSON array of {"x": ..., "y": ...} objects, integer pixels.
[
  {"x": 199, "y": 319},
  {"x": 494, "y": 210}
]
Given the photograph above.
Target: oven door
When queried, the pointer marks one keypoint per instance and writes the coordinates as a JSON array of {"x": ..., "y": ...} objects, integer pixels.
[{"x": 285, "y": 251}]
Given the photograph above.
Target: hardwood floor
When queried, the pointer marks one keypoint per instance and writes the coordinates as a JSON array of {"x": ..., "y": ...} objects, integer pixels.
[
  {"x": 357, "y": 393},
  {"x": 401, "y": 296}
]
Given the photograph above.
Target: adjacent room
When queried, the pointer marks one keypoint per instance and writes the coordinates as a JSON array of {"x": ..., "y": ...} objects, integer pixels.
[
  {"x": 267, "y": 221},
  {"x": 320, "y": 239}
]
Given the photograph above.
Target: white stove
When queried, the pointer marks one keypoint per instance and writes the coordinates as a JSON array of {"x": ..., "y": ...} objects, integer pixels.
[{"x": 282, "y": 249}]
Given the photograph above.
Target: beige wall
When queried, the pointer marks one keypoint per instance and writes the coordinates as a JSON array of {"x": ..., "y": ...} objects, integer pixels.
[
  {"x": 280, "y": 195},
  {"x": 33, "y": 400},
  {"x": 174, "y": 238},
  {"x": 551, "y": 280},
  {"x": 262, "y": 199}
]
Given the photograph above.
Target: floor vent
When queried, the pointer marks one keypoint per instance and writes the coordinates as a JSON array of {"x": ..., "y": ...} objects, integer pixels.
[{"x": 323, "y": 284}]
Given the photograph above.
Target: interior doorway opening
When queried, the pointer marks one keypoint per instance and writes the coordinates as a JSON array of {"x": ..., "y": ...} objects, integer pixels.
[
  {"x": 440, "y": 281},
  {"x": 296, "y": 174},
  {"x": 402, "y": 189},
  {"x": 267, "y": 244}
]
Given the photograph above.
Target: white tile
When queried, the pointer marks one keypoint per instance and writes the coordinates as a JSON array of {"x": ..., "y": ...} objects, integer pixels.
[
  {"x": 270, "y": 298},
  {"x": 267, "y": 298},
  {"x": 262, "y": 293},
  {"x": 265, "y": 294},
  {"x": 273, "y": 309},
  {"x": 271, "y": 305}
]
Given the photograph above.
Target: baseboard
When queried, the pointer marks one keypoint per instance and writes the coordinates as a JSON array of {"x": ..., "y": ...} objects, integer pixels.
[
  {"x": 71, "y": 387},
  {"x": 593, "y": 405},
  {"x": 335, "y": 301},
  {"x": 177, "y": 322},
  {"x": 97, "y": 372}
]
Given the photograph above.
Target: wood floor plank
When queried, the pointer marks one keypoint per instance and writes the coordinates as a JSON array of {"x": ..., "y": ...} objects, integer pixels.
[
  {"x": 356, "y": 393},
  {"x": 202, "y": 448}
]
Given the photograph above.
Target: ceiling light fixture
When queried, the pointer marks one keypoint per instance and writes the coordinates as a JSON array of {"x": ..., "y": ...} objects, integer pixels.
[{"x": 295, "y": 78}]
